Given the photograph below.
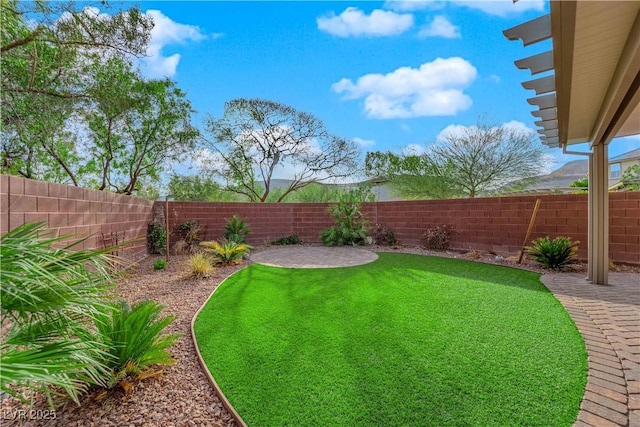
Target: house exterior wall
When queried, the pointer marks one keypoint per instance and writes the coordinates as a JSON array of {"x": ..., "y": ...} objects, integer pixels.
[{"x": 624, "y": 165}]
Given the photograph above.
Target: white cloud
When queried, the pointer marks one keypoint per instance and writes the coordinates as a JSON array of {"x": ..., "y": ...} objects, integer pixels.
[
  {"x": 500, "y": 8},
  {"x": 493, "y": 78},
  {"x": 433, "y": 89},
  {"x": 364, "y": 142},
  {"x": 405, "y": 127},
  {"x": 440, "y": 27},
  {"x": 413, "y": 5},
  {"x": 503, "y": 8},
  {"x": 354, "y": 22},
  {"x": 517, "y": 126},
  {"x": 164, "y": 33}
]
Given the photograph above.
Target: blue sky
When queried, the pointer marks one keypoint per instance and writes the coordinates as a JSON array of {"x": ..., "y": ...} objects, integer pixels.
[{"x": 390, "y": 75}]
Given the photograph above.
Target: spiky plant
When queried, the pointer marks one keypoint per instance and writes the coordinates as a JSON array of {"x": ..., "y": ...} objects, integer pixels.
[
  {"x": 199, "y": 265},
  {"x": 555, "y": 254},
  {"x": 236, "y": 230},
  {"x": 47, "y": 296},
  {"x": 226, "y": 253},
  {"x": 133, "y": 340}
]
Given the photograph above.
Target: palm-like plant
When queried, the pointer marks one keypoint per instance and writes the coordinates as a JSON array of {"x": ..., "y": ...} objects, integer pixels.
[
  {"x": 133, "y": 339},
  {"x": 228, "y": 252},
  {"x": 236, "y": 229},
  {"x": 47, "y": 295}
]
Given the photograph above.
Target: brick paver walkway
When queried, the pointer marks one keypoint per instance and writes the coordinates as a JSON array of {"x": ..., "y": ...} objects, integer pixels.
[
  {"x": 608, "y": 318},
  {"x": 314, "y": 257}
]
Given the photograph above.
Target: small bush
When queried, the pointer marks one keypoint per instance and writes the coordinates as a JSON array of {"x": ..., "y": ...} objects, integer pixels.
[
  {"x": 555, "y": 254},
  {"x": 189, "y": 238},
  {"x": 156, "y": 238},
  {"x": 384, "y": 236},
  {"x": 438, "y": 238},
  {"x": 226, "y": 253},
  {"x": 236, "y": 229},
  {"x": 160, "y": 264},
  {"x": 199, "y": 266},
  {"x": 131, "y": 341},
  {"x": 351, "y": 227},
  {"x": 287, "y": 240}
]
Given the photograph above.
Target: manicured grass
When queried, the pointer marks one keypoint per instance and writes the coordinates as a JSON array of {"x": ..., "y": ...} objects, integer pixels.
[{"x": 407, "y": 340}]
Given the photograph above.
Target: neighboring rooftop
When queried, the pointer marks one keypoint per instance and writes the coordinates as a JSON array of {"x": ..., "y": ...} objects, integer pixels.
[{"x": 633, "y": 154}]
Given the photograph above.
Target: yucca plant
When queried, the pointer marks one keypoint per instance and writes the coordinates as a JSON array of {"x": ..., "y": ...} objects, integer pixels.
[
  {"x": 47, "y": 294},
  {"x": 226, "y": 253},
  {"x": 555, "y": 254},
  {"x": 236, "y": 229},
  {"x": 199, "y": 265},
  {"x": 133, "y": 340}
]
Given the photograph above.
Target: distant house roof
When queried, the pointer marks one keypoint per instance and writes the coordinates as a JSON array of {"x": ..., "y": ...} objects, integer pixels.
[{"x": 633, "y": 154}]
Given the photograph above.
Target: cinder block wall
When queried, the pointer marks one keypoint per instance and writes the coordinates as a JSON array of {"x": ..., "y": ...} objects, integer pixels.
[
  {"x": 496, "y": 224},
  {"x": 98, "y": 215}
]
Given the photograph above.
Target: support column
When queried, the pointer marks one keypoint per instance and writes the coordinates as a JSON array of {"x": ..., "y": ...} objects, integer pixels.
[{"x": 599, "y": 215}]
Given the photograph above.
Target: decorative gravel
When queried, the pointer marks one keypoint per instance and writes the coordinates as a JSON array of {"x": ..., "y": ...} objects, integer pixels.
[{"x": 182, "y": 396}]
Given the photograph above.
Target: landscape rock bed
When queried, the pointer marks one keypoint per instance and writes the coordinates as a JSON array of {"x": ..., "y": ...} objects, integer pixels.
[{"x": 182, "y": 396}]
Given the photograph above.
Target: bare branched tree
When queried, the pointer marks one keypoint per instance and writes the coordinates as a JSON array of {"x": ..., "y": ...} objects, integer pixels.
[
  {"x": 256, "y": 137},
  {"x": 486, "y": 157}
]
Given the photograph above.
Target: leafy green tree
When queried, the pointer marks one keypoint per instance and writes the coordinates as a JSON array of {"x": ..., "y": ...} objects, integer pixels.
[
  {"x": 198, "y": 188},
  {"x": 47, "y": 52},
  {"x": 412, "y": 176},
  {"x": 631, "y": 178},
  {"x": 137, "y": 128},
  {"x": 255, "y": 137}
]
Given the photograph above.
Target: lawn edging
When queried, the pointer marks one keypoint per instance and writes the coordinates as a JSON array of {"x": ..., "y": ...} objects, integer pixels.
[{"x": 225, "y": 402}]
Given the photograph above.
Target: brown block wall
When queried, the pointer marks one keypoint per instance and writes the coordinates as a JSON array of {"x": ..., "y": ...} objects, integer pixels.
[
  {"x": 73, "y": 210},
  {"x": 496, "y": 224}
]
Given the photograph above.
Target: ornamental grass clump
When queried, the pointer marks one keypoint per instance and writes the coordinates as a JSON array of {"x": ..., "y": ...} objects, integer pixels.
[
  {"x": 555, "y": 254},
  {"x": 199, "y": 266},
  {"x": 226, "y": 253}
]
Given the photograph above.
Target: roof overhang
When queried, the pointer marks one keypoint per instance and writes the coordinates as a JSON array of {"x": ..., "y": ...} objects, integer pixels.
[{"x": 593, "y": 94}]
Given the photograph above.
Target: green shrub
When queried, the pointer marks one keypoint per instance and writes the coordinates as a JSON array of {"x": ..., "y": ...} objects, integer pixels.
[
  {"x": 438, "y": 238},
  {"x": 631, "y": 178},
  {"x": 287, "y": 240},
  {"x": 236, "y": 229},
  {"x": 384, "y": 236},
  {"x": 132, "y": 340},
  {"x": 351, "y": 227},
  {"x": 156, "y": 238},
  {"x": 160, "y": 264},
  {"x": 47, "y": 297},
  {"x": 555, "y": 253},
  {"x": 226, "y": 253},
  {"x": 199, "y": 265}
]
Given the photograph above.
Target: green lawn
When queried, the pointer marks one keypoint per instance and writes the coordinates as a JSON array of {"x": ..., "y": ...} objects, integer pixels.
[{"x": 407, "y": 340}]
